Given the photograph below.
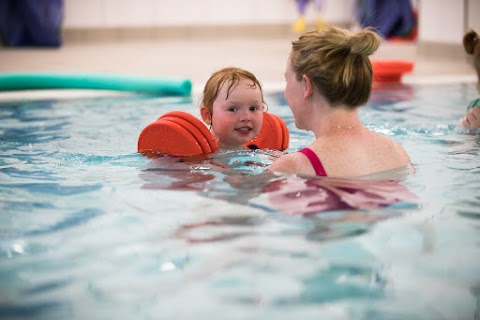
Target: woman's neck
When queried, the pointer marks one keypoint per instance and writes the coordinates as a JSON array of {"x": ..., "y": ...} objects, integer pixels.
[{"x": 335, "y": 121}]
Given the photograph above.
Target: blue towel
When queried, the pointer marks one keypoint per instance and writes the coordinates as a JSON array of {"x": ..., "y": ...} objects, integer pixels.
[
  {"x": 31, "y": 22},
  {"x": 388, "y": 17}
]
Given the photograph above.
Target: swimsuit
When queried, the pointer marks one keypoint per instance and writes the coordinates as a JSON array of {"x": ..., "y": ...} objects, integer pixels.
[
  {"x": 315, "y": 161},
  {"x": 473, "y": 104}
]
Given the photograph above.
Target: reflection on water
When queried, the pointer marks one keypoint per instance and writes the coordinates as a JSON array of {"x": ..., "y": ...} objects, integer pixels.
[{"x": 346, "y": 207}]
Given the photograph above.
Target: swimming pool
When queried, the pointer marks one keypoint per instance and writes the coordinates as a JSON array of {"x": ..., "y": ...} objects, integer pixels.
[{"x": 92, "y": 230}]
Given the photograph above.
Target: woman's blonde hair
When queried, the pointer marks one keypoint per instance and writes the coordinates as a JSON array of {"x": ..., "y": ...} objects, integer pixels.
[
  {"x": 230, "y": 76},
  {"x": 337, "y": 62}
]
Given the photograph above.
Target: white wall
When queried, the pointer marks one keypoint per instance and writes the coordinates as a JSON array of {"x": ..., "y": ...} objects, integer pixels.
[
  {"x": 445, "y": 21},
  {"x": 145, "y": 13},
  {"x": 473, "y": 10},
  {"x": 442, "y": 21}
]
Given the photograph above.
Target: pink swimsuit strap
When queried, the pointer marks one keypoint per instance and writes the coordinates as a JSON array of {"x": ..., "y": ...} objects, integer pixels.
[{"x": 315, "y": 161}]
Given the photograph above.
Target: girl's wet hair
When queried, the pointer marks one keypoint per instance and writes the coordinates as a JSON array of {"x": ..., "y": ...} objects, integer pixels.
[
  {"x": 230, "y": 76},
  {"x": 338, "y": 63}
]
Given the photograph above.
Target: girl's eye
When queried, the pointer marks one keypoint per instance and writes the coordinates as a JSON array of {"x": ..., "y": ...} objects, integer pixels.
[
  {"x": 232, "y": 109},
  {"x": 254, "y": 108}
]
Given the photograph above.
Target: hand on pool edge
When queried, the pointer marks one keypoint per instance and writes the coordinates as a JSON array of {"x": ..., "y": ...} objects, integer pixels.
[{"x": 471, "y": 119}]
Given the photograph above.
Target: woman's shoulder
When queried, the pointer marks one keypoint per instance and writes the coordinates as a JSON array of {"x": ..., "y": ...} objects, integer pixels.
[
  {"x": 363, "y": 154},
  {"x": 389, "y": 153},
  {"x": 288, "y": 163}
]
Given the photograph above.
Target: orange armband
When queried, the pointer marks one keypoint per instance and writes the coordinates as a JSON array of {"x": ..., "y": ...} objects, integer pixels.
[{"x": 179, "y": 133}]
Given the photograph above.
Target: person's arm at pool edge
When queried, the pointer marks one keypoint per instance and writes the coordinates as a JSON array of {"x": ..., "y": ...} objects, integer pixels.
[{"x": 471, "y": 119}]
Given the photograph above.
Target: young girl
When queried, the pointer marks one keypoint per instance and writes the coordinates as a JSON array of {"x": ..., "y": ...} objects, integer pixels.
[{"x": 232, "y": 105}]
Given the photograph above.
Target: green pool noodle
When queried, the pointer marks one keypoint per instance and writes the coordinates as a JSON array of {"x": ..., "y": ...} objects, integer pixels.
[{"x": 150, "y": 85}]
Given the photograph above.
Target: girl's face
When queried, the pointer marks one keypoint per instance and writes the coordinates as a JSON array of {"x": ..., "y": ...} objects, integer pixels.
[{"x": 237, "y": 119}]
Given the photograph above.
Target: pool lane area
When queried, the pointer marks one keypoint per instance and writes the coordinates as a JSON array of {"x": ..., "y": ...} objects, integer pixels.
[{"x": 197, "y": 58}]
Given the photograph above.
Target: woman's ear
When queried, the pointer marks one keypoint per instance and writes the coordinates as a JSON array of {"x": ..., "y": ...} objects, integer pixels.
[
  {"x": 307, "y": 86},
  {"x": 206, "y": 115}
]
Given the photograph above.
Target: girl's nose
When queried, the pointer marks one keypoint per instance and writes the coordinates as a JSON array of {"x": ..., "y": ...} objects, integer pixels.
[{"x": 245, "y": 115}]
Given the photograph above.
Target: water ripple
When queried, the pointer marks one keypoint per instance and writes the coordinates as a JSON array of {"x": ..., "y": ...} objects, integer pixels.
[
  {"x": 73, "y": 220},
  {"x": 52, "y": 188}
]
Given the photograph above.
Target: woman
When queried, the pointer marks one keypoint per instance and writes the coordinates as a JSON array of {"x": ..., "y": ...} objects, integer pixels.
[{"x": 328, "y": 77}]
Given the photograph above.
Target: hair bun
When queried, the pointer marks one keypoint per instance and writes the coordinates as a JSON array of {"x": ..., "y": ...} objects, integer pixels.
[{"x": 365, "y": 42}]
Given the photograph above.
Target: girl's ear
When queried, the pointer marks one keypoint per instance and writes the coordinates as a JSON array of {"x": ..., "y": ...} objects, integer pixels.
[
  {"x": 206, "y": 115},
  {"x": 307, "y": 86}
]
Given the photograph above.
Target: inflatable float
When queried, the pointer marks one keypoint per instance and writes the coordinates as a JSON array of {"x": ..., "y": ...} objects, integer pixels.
[
  {"x": 151, "y": 85},
  {"x": 178, "y": 133},
  {"x": 390, "y": 70}
]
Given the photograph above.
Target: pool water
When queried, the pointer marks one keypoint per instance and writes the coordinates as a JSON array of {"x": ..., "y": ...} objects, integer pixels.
[{"x": 89, "y": 229}]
